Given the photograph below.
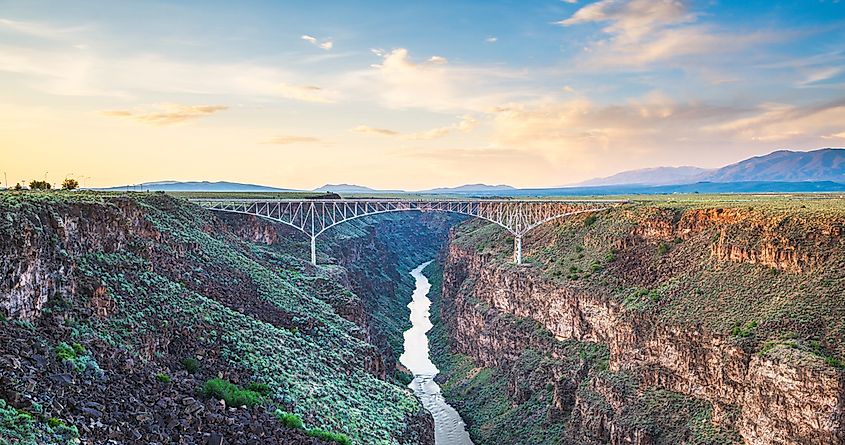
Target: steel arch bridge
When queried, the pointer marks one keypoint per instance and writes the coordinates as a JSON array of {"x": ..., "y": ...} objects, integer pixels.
[{"x": 314, "y": 216}]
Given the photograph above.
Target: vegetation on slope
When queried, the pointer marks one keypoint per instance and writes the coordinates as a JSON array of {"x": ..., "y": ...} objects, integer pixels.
[
  {"x": 641, "y": 258},
  {"x": 184, "y": 292}
]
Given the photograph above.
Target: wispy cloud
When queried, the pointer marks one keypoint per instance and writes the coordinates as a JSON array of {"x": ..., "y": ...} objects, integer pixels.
[
  {"x": 291, "y": 139},
  {"x": 366, "y": 129},
  {"x": 306, "y": 93},
  {"x": 68, "y": 71},
  {"x": 641, "y": 32},
  {"x": 326, "y": 44},
  {"x": 37, "y": 29},
  {"x": 820, "y": 75},
  {"x": 632, "y": 20},
  {"x": 491, "y": 39},
  {"x": 776, "y": 122},
  {"x": 465, "y": 125},
  {"x": 434, "y": 84},
  {"x": 169, "y": 114}
]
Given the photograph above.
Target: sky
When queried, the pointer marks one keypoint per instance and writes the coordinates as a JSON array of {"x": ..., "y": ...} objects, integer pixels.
[{"x": 411, "y": 95}]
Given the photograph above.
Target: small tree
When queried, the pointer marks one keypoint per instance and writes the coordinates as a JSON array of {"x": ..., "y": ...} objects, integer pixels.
[
  {"x": 39, "y": 185},
  {"x": 18, "y": 187},
  {"x": 70, "y": 184}
]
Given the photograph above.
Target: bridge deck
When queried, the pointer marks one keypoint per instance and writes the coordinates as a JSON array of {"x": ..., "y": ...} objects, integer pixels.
[{"x": 314, "y": 216}]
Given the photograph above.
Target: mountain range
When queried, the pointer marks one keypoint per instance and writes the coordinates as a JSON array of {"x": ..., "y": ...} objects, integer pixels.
[
  {"x": 351, "y": 188},
  {"x": 193, "y": 186},
  {"x": 826, "y": 164}
]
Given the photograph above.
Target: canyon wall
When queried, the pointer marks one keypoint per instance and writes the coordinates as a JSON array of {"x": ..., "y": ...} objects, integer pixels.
[
  {"x": 105, "y": 298},
  {"x": 760, "y": 375}
]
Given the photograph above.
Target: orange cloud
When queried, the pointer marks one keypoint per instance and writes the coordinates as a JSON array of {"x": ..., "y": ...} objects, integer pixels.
[
  {"x": 172, "y": 114},
  {"x": 467, "y": 124},
  {"x": 290, "y": 139}
]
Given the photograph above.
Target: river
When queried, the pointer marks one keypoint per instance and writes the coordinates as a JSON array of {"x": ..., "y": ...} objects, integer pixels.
[{"x": 449, "y": 428}]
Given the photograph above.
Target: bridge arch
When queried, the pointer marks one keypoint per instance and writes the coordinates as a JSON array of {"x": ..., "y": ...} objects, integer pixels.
[{"x": 313, "y": 217}]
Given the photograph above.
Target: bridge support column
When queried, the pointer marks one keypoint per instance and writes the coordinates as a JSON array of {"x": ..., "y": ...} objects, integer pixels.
[
  {"x": 517, "y": 249},
  {"x": 313, "y": 250}
]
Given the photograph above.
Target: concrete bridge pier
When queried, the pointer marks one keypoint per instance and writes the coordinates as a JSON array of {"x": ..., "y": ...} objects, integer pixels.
[
  {"x": 517, "y": 249},
  {"x": 313, "y": 250}
]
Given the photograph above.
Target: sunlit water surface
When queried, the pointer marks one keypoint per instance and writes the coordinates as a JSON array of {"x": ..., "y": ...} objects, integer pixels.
[{"x": 449, "y": 428}]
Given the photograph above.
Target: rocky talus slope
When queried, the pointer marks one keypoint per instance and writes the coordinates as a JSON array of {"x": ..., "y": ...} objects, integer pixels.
[
  {"x": 117, "y": 314},
  {"x": 683, "y": 323}
]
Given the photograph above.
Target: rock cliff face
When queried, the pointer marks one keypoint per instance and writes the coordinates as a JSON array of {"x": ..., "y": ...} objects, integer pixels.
[
  {"x": 775, "y": 391},
  {"x": 104, "y": 298},
  {"x": 39, "y": 258}
]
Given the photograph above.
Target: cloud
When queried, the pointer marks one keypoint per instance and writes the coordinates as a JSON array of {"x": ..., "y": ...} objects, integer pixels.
[
  {"x": 169, "y": 115},
  {"x": 632, "y": 19},
  {"x": 306, "y": 93},
  {"x": 291, "y": 139},
  {"x": 35, "y": 29},
  {"x": 325, "y": 44},
  {"x": 581, "y": 137},
  {"x": 641, "y": 32},
  {"x": 66, "y": 66},
  {"x": 364, "y": 129},
  {"x": 491, "y": 39},
  {"x": 73, "y": 72},
  {"x": 774, "y": 122},
  {"x": 820, "y": 75},
  {"x": 435, "y": 84},
  {"x": 465, "y": 125}
]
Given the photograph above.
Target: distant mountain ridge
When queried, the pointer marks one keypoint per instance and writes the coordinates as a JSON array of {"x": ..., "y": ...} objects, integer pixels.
[
  {"x": 471, "y": 188},
  {"x": 651, "y": 176},
  {"x": 825, "y": 164},
  {"x": 194, "y": 186},
  {"x": 351, "y": 188}
]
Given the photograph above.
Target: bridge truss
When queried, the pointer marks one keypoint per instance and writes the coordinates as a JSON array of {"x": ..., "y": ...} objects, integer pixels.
[{"x": 315, "y": 216}]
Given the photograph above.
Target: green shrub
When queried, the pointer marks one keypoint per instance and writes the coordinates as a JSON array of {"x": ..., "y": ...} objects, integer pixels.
[
  {"x": 404, "y": 378},
  {"x": 39, "y": 185},
  {"x": 232, "y": 394},
  {"x": 260, "y": 388},
  {"x": 834, "y": 362},
  {"x": 79, "y": 349},
  {"x": 163, "y": 378},
  {"x": 191, "y": 365},
  {"x": 744, "y": 331},
  {"x": 590, "y": 220},
  {"x": 65, "y": 351},
  {"x": 289, "y": 420},
  {"x": 328, "y": 435},
  {"x": 662, "y": 249},
  {"x": 70, "y": 184}
]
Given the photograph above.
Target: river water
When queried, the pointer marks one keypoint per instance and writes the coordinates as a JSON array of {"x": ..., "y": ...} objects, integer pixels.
[{"x": 449, "y": 428}]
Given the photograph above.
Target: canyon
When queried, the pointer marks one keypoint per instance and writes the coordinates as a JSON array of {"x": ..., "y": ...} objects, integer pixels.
[
  {"x": 671, "y": 325},
  {"x": 696, "y": 321}
]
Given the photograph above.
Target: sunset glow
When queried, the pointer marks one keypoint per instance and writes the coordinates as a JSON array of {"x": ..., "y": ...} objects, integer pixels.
[{"x": 388, "y": 95}]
